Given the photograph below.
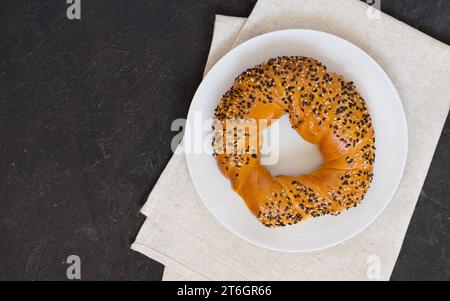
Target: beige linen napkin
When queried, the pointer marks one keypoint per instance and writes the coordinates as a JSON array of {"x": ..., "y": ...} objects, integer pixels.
[{"x": 182, "y": 234}]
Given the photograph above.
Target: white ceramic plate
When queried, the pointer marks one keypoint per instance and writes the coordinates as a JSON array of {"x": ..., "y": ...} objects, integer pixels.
[{"x": 389, "y": 122}]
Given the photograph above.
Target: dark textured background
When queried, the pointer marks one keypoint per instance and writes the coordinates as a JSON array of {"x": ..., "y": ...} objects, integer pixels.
[{"x": 85, "y": 114}]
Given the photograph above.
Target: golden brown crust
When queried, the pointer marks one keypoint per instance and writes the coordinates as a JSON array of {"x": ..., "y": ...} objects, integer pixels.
[{"x": 324, "y": 109}]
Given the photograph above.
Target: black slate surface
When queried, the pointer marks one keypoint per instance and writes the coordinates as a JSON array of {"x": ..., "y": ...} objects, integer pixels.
[{"x": 85, "y": 113}]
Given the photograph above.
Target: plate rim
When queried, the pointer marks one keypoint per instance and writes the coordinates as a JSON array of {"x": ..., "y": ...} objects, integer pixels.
[{"x": 403, "y": 123}]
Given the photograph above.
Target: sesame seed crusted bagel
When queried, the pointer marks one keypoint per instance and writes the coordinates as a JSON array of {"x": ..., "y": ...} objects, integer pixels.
[{"x": 325, "y": 109}]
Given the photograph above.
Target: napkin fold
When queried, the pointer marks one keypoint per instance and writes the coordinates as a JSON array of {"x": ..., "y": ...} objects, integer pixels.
[{"x": 180, "y": 232}]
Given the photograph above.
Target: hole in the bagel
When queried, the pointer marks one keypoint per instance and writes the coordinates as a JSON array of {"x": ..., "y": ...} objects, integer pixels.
[{"x": 287, "y": 153}]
